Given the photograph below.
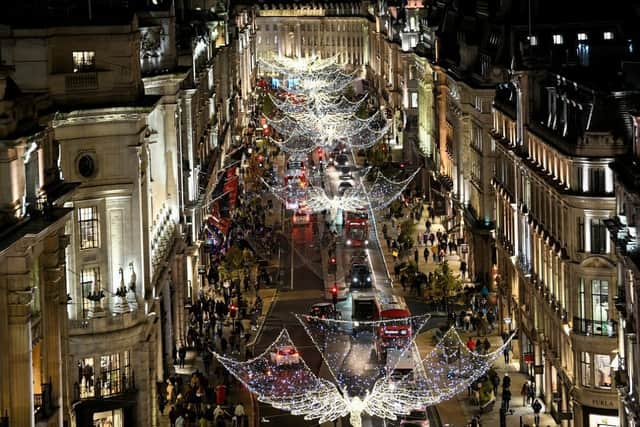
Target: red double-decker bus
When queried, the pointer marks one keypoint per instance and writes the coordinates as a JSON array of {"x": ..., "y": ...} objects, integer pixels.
[
  {"x": 396, "y": 331},
  {"x": 357, "y": 228}
]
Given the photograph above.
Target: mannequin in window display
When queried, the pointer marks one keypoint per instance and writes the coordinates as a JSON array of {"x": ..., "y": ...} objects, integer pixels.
[
  {"x": 120, "y": 303},
  {"x": 131, "y": 291}
]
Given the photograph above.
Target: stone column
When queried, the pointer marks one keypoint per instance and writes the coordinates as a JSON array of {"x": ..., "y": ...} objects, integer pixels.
[
  {"x": 19, "y": 348},
  {"x": 52, "y": 317},
  {"x": 537, "y": 357}
]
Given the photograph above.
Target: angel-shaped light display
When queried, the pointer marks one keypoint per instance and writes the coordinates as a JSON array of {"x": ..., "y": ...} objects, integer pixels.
[
  {"x": 365, "y": 378},
  {"x": 375, "y": 195}
]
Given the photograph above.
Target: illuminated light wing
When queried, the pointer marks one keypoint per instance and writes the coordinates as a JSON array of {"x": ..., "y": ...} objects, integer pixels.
[
  {"x": 281, "y": 378},
  {"x": 448, "y": 370}
]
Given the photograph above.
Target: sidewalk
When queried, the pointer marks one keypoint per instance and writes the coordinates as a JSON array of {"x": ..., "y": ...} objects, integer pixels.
[
  {"x": 453, "y": 259},
  {"x": 236, "y": 392},
  {"x": 458, "y": 411}
]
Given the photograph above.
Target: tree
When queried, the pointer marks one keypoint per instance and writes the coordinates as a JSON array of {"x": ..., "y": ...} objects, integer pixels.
[
  {"x": 234, "y": 260},
  {"x": 445, "y": 283},
  {"x": 407, "y": 232}
]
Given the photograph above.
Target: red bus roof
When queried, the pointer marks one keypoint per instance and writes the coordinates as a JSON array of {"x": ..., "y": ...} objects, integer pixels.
[{"x": 394, "y": 313}]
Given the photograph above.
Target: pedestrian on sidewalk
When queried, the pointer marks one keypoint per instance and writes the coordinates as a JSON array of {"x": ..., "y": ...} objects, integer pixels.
[
  {"x": 506, "y": 381},
  {"x": 471, "y": 344},
  {"x": 426, "y": 255},
  {"x": 506, "y": 353},
  {"x": 182, "y": 354},
  {"x": 416, "y": 256},
  {"x": 240, "y": 414},
  {"x": 506, "y": 398},
  {"x": 531, "y": 396},
  {"x": 463, "y": 269},
  {"x": 427, "y": 225},
  {"x": 487, "y": 345},
  {"x": 495, "y": 381},
  {"x": 537, "y": 407},
  {"x": 525, "y": 393}
]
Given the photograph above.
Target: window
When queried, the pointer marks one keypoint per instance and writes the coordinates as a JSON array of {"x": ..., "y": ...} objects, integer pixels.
[
  {"x": 87, "y": 378},
  {"x": 476, "y": 137},
  {"x": 600, "y": 306},
  {"x": 112, "y": 375},
  {"x": 84, "y": 61},
  {"x": 533, "y": 40},
  {"x": 89, "y": 231},
  {"x": 582, "y": 51},
  {"x": 414, "y": 99},
  {"x": 580, "y": 234},
  {"x": 598, "y": 236},
  {"x": 583, "y": 36},
  {"x": 585, "y": 369},
  {"x": 111, "y": 418},
  {"x": 90, "y": 284},
  {"x": 602, "y": 363},
  {"x": 597, "y": 180},
  {"x": 607, "y": 35},
  {"x": 104, "y": 375},
  {"x": 558, "y": 39}
]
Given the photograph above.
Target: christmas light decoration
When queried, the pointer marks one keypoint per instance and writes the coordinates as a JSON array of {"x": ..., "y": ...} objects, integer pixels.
[
  {"x": 376, "y": 195},
  {"x": 365, "y": 382},
  {"x": 281, "y": 378},
  {"x": 318, "y": 103}
]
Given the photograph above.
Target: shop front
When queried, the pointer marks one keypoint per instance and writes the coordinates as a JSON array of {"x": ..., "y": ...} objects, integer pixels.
[
  {"x": 596, "y": 409},
  {"x": 112, "y": 412}
]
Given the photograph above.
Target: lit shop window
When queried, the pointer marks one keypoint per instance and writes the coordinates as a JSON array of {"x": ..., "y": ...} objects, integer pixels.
[
  {"x": 557, "y": 39},
  {"x": 607, "y": 35},
  {"x": 111, "y": 418},
  {"x": 84, "y": 61}
]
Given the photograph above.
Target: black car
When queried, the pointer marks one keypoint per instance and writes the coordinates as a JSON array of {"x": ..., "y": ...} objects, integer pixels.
[
  {"x": 342, "y": 160},
  {"x": 360, "y": 276},
  {"x": 324, "y": 310}
]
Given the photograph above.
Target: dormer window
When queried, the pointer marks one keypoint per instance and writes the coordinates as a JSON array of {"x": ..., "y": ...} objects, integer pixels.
[
  {"x": 607, "y": 35},
  {"x": 84, "y": 61},
  {"x": 557, "y": 39},
  {"x": 582, "y": 37}
]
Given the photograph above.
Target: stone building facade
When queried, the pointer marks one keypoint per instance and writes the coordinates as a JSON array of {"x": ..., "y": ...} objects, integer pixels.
[
  {"x": 141, "y": 103},
  {"x": 555, "y": 133},
  {"x": 33, "y": 328}
]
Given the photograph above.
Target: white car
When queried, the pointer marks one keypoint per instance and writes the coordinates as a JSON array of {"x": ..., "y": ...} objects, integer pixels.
[
  {"x": 285, "y": 355},
  {"x": 417, "y": 418}
]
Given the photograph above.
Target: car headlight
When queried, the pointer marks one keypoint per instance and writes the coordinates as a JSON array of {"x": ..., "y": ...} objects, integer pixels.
[
  {"x": 356, "y": 324},
  {"x": 349, "y": 242},
  {"x": 368, "y": 279},
  {"x": 355, "y": 279},
  {"x": 366, "y": 242}
]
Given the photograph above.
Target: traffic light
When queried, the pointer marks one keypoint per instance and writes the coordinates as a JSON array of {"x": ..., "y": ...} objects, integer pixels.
[{"x": 334, "y": 294}]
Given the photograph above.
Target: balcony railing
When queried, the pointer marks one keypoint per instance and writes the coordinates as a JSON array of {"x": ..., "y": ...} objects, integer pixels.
[
  {"x": 605, "y": 328},
  {"x": 81, "y": 81},
  {"x": 43, "y": 406}
]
